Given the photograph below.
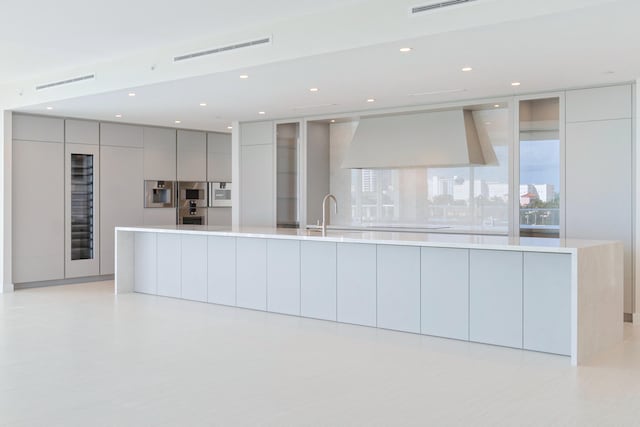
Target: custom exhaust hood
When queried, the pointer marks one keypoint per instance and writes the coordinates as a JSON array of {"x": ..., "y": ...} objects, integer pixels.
[{"x": 436, "y": 139}]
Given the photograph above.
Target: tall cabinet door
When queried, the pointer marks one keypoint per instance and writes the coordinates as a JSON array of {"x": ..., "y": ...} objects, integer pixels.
[
  {"x": 38, "y": 234},
  {"x": 192, "y": 156},
  {"x": 82, "y": 207},
  {"x": 122, "y": 194}
]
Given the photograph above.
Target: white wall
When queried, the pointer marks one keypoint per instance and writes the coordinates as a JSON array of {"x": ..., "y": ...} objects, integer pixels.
[{"x": 5, "y": 201}]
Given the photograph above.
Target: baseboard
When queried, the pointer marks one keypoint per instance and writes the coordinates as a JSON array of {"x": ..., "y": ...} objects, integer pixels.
[{"x": 73, "y": 281}]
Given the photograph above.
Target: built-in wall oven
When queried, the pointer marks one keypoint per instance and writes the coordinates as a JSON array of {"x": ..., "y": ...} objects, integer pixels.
[
  {"x": 192, "y": 202},
  {"x": 159, "y": 194},
  {"x": 219, "y": 194}
]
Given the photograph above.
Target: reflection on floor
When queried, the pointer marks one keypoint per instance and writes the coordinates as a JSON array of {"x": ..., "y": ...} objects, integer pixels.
[{"x": 78, "y": 355}]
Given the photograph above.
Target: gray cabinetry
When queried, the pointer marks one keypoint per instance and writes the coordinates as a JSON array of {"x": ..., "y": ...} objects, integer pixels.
[
  {"x": 218, "y": 157},
  {"x": 445, "y": 292},
  {"x": 192, "y": 156},
  {"x": 399, "y": 288},
  {"x": 159, "y": 153},
  {"x": 283, "y": 276},
  {"x": 117, "y": 135},
  {"x": 38, "y": 234},
  {"x": 81, "y": 132},
  {"x": 121, "y": 193},
  {"x": 356, "y": 283},
  {"x": 257, "y": 182},
  {"x": 495, "y": 297},
  {"x": 37, "y": 128},
  {"x": 318, "y": 280}
]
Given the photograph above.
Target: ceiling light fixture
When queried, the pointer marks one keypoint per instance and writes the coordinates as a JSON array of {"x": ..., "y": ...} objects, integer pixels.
[
  {"x": 496, "y": 105},
  {"x": 333, "y": 120},
  {"x": 49, "y": 108},
  {"x": 405, "y": 49},
  {"x": 118, "y": 116},
  {"x": 371, "y": 100},
  {"x": 244, "y": 76},
  {"x": 132, "y": 94},
  {"x": 313, "y": 89},
  {"x": 203, "y": 104},
  {"x": 466, "y": 69},
  {"x": 229, "y": 127},
  {"x": 262, "y": 113},
  {"x": 177, "y": 122},
  {"x": 515, "y": 84}
]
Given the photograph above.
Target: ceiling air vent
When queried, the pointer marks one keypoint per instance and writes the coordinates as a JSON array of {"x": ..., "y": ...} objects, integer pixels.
[
  {"x": 65, "y": 82},
  {"x": 193, "y": 55},
  {"x": 439, "y": 5}
]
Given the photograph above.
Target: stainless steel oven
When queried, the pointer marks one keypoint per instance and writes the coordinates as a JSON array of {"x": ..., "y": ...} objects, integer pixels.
[
  {"x": 159, "y": 194},
  {"x": 219, "y": 194},
  {"x": 192, "y": 202}
]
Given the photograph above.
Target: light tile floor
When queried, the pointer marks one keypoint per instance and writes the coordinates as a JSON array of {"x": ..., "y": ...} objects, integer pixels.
[{"x": 77, "y": 355}]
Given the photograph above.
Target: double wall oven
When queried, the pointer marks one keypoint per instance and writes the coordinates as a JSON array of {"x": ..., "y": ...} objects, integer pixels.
[{"x": 192, "y": 202}]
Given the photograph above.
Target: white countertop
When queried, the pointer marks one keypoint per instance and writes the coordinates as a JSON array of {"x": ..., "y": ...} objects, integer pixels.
[{"x": 474, "y": 241}]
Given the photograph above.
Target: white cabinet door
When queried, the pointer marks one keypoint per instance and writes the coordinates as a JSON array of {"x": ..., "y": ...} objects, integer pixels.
[
  {"x": 256, "y": 133},
  {"x": 82, "y": 132},
  {"x": 169, "y": 265},
  {"x": 547, "y": 302},
  {"x": 222, "y": 270},
  {"x": 283, "y": 276},
  {"x": 599, "y": 187},
  {"x": 192, "y": 156},
  {"x": 37, "y": 128},
  {"x": 121, "y": 195},
  {"x": 318, "y": 280},
  {"x": 495, "y": 297},
  {"x": 144, "y": 263},
  {"x": 118, "y": 135},
  {"x": 356, "y": 283},
  {"x": 219, "y": 157},
  {"x": 38, "y": 234},
  {"x": 82, "y": 207},
  {"x": 445, "y": 292},
  {"x": 159, "y": 153},
  {"x": 600, "y": 103},
  {"x": 257, "y": 197},
  {"x": 194, "y": 267},
  {"x": 399, "y": 288},
  {"x": 251, "y": 273}
]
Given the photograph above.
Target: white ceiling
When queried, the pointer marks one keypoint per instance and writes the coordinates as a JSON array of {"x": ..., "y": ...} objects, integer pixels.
[
  {"x": 588, "y": 46},
  {"x": 40, "y": 36}
]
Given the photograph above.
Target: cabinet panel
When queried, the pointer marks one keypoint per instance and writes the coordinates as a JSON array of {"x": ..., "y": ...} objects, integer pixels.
[
  {"x": 495, "y": 297},
  {"x": 121, "y": 194},
  {"x": 144, "y": 263},
  {"x": 159, "y": 153},
  {"x": 356, "y": 283},
  {"x": 601, "y": 103},
  {"x": 82, "y": 132},
  {"x": 251, "y": 273},
  {"x": 445, "y": 292},
  {"x": 38, "y": 234},
  {"x": 192, "y": 156},
  {"x": 222, "y": 270},
  {"x": 82, "y": 210},
  {"x": 399, "y": 288},
  {"x": 194, "y": 267},
  {"x": 260, "y": 133},
  {"x": 219, "y": 216},
  {"x": 37, "y": 128},
  {"x": 547, "y": 302},
  {"x": 257, "y": 192},
  {"x": 159, "y": 216},
  {"x": 318, "y": 280},
  {"x": 599, "y": 187},
  {"x": 283, "y": 276},
  {"x": 118, "y": 135},
  {"x": 169, "y": 267},
  {"x": 219, "y": 157}
]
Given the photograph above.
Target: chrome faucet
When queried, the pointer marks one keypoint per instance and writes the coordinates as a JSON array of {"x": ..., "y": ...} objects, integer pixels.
[{"x": 326, "y": 215}]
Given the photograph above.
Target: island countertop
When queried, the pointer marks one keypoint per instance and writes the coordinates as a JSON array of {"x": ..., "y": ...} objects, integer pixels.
[{"x": 425, "y": 239}]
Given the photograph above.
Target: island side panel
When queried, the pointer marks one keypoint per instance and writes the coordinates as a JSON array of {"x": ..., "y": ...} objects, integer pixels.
[
  {"x": 600, "y": 300},
  {"x": 124, "y": 244}
]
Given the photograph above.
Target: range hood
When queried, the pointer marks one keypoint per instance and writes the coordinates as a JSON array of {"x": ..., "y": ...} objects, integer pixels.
[{"x": 435, "y": 139}]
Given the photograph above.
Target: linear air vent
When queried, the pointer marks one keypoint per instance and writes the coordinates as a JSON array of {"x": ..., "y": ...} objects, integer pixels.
[
  {"x": 439, "y": 5},
  {"x": 193, "y": 55},
  {"x": 66, "y": 82}
]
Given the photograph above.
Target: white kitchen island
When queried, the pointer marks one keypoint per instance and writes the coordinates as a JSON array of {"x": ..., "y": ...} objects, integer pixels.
[{"x": 556, "y": 296}]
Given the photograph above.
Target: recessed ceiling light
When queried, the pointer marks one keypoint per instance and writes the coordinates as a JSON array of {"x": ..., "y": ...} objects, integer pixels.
[
  {"x": 371, "y": 100},
  {"x": 118, "y": 115},
  {"x": 405, "y": 49},
  {"x": 49, "y": 108},
  {"x": 515, "y": 84},
  {"x": 203, "y": 104},
  {"x": 333, "y": 120},
  {"x": 132, "y": 94},
  {"x": 244, "y": 76},
  {"x": 177, "y": 122},
  {"x": 313, "y": 89},
  {"x": 496, "y": 105},
  {"x": 465, "y": 69},
  {"x": 261, "y": 113},
  {"x": 229, "y": 127},
  {"x": 487, "y": 123}
]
